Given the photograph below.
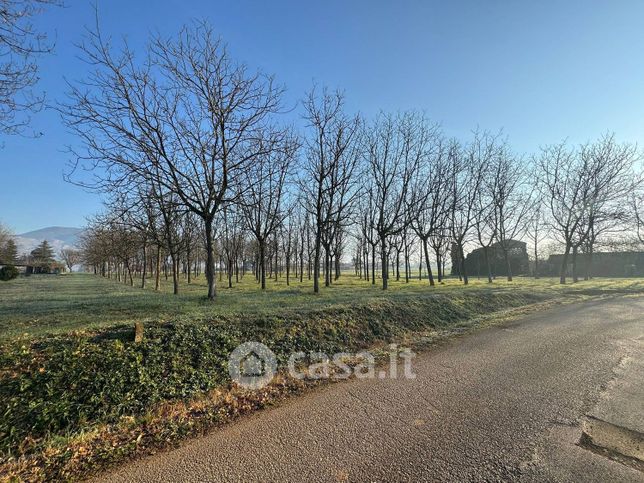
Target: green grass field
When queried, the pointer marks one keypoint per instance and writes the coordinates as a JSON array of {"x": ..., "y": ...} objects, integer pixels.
[{"x": 44, "y": 304}]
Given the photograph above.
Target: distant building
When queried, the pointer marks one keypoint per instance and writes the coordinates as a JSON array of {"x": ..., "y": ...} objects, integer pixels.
[
  {"x": 604, "y": 264},
  {"x": 30, "y": 268},
  {"x": 518, "y": 255}
]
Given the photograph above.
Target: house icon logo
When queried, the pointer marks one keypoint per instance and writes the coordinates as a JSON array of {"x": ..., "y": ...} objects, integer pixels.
[{"x": 252, "y": 365}]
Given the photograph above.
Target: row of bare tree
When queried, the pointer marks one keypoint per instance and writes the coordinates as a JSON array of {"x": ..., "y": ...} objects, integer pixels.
[{"x": 199, "y": 172}]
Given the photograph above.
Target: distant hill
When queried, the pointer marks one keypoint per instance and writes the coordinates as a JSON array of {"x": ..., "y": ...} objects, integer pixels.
[{"x": 57, "y": 236}]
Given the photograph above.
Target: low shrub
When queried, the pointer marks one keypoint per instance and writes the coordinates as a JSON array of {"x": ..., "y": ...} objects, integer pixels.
[{"x": 8, "y": 272}]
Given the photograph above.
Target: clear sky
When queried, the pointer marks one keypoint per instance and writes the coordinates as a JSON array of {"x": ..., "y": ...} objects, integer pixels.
[{"x": 542, "y": 71}]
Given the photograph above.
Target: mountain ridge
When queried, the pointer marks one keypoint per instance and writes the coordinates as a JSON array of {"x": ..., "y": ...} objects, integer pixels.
[{"x": 59, "y": 237}]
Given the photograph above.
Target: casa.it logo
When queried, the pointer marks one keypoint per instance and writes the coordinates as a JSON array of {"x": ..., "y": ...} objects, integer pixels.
[{"x": 252, "y": 365}]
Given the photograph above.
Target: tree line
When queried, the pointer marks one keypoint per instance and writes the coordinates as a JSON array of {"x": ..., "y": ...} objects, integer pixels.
[{"x": 201, "y": 173}]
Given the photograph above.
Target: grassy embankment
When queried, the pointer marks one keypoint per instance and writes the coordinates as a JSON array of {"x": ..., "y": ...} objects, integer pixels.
[{"x": 78, "y": 394}]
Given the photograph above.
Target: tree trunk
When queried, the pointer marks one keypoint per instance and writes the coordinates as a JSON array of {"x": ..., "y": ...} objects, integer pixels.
[
  {"x": 466, "y": 280},
  {"x": 488, "y": 266},
  {"x": 316, "y": 264},
  {"x": 288, "y": 265},
  {"x": 589, "y": 261},
  {"x": 430, "y": 275},
  {"x": 145, "y": 264},
  {"x": 262, "y": 264},
  {"x": 175, "y": 273},
  {"x": 157, "y": 280},
  {"x": 439, "y": 267},
  {"x": 277, "y": 259},
  {"x": 407, "y": 264},
  {"x": 508, "y": 264},
  {"x": 327, "y": 266},
  {"x": 373, "y": 265},
  {"x": 536, "y": 261},
  {"x": 564, "y": 265},
  {"x": 129, "y": 273},
  {"x": 189, "y": 273},
  {"x": 396, "y": 265},
  {"x": 366, "y": 264},
  {"x": 385, "y": 263},
  {"x": 575, "y": 252},
  {"x": 210, "y": 260}
]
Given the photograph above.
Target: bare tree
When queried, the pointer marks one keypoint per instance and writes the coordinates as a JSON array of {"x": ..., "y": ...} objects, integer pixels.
[
  {"x": 440, "y": 242},
  {"x": 537, "y": 229},
  {"x": 429, "y": 193},
  {"x": 485, "y": 221},
  {"x": 71, "y": 257},
  {"x": 511, "y": 200},
  {"x": 586, "y": 190},
  {"x": 369, "y": 235},
  {"x": 609, "y": 179},
  {"x": 263, "y": 201},
  {"x": 328, "y": 176},
  {"x": 343, "y": 190},
  {"x": 561, "y": 185},
  {"x": 190, "y": 243},
  {"x": 468, "y": 167},
  {"x": 231, "y": 240},
  {"x": 185, "y": 116},
  {"x": 21, "y": 44},
  {"x": 395, "y": 146},
  {"x": 111, "y": 248}
]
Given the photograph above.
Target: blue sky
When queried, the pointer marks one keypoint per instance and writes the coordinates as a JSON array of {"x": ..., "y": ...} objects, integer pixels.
[{"x": 542, "y": 71}]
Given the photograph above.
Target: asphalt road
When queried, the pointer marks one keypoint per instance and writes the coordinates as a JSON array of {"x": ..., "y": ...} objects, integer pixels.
[{"x": 505, "y": 403}]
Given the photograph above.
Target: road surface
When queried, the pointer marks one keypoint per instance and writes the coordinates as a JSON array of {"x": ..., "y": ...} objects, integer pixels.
[{"x": 504, "y": 403}]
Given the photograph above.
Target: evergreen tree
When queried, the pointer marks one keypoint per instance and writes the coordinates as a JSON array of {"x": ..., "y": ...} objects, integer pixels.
[
  {"x": 9, "y": 252},
  {"x": 43, "y": 254}
]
